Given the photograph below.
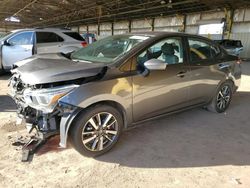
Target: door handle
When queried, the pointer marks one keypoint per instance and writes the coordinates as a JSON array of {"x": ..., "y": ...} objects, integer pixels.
[{"x": 181, "y": 74}]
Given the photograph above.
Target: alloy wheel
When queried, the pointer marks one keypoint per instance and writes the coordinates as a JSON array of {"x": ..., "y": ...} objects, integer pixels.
[
  {"x": 100, "y": 131},
  {"x": 223, "y": 98}
]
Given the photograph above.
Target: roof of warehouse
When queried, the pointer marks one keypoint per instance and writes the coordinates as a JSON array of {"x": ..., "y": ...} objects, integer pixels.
[{"x": 63, "y": 13}]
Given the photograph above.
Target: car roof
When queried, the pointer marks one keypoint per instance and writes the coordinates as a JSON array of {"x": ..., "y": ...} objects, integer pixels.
[
  {"x": 160, "y": 33},
  {"x": 165, "y": 34},
  {"x": 43, "y": 29}
]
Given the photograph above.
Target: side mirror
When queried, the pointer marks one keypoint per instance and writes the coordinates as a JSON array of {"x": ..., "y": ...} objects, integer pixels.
[
  {"x": 155, "y": 64},
  {"x": 6, "y": 43}
]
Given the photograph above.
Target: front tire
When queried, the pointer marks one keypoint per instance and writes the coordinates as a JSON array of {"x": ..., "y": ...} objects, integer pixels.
[
  {"x": 222, "y": 98},
  {"x": 96, "y": 130}
]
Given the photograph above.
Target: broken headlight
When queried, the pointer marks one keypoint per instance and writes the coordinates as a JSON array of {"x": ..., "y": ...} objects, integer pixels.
[{"x": 46, "y": 99}]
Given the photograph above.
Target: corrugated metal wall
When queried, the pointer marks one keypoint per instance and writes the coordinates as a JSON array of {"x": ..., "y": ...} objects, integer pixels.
[
  {"x": 240, "y": 28},
  {"x": 83, "y": 29},
  {"x": 121, "y": 27},
  {"x": 170, "y": 24},
  {"x": 105, "y": 30},
  {"x": 141, "y": 25},
  {"x": 93, "y": 29}
]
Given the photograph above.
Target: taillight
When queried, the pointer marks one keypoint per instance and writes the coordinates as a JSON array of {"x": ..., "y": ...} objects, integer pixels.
[{"x": 84, "y": 44}]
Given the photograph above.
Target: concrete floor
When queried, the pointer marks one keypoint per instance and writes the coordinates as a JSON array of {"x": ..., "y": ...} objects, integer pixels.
[{"x": 195, "y": 148}]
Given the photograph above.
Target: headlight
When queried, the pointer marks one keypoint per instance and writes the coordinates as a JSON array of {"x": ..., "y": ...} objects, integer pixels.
[{"x": 46, "y": 99}]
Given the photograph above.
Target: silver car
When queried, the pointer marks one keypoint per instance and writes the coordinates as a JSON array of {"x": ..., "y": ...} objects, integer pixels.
[
  {"x": 21, "y": 44},
  {"x": 121, "y": 81}
]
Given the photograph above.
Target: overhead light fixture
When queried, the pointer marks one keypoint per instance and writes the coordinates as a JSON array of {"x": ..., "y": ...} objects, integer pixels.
[
  {"x": 12, "y": 19},
  {"x": 40, "y": 18},
  {"x": 163, "y": 2}
]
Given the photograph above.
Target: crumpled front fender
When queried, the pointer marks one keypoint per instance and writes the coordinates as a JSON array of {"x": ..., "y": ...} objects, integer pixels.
[{"x": 65, "y": 124}]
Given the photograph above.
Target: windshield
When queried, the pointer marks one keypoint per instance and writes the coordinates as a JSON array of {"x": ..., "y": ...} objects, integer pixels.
[{"x": 108, "y": 49}]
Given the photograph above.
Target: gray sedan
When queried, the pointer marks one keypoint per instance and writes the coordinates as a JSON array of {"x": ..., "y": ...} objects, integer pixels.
[{"x": 96, "y": 92}]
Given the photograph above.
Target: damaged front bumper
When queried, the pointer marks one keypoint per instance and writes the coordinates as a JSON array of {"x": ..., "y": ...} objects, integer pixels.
[
  {"x": 41, "y": 111},
  {"x": 48, "y": 125}
]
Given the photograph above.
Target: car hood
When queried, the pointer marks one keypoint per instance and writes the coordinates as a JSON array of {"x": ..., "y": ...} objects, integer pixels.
[{"x": 50, "y": 68}]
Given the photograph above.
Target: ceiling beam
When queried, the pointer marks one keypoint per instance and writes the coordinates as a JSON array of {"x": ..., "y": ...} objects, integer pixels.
[
  {"x": 121, "y": 13},
  {"x": 26, "y": 6},
  {"x": 111, "y": 17},
  {"x": 66, "y": 15}
]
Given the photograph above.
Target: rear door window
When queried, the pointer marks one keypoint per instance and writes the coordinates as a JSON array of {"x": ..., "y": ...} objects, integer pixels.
[
  {"x": 202, "y": 51},
  {"x": 47, "y": 37},
  {"x": 74, "y": 35}
]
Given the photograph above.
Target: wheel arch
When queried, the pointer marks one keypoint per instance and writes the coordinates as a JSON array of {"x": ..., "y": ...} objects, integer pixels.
[
  {"x": 69, "y": 119},
  {"x": 212, "y": 105},
  {"x": 114, "y": 104},
  {"x": 229, "y": 80}
]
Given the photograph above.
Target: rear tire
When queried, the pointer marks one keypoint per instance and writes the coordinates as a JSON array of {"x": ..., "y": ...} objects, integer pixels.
[
  {"x": 96, "y": 130},
  {"x": 222, "y": 98},
  {"x": 1, "y": 70}
]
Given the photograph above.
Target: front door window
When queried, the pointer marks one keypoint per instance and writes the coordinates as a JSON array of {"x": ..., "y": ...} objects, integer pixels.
[
  {"x": 169, "y": 51},
  {"x": 22, "y": 39}
]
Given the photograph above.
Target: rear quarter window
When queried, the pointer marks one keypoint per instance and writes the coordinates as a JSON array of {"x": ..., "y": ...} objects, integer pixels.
[
  {"x": 48, "y": 37},
  {"x": 202, "y": 51},
  {"x": 74, "y": 35}
]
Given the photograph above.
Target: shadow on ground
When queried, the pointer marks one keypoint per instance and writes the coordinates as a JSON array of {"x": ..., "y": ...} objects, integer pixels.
[
  {"x": 7, "y": 104},
  {"x": 190, "y": 139},
  {"x": 245, "y": 67},
  {"x": 5, "y": 76}
]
